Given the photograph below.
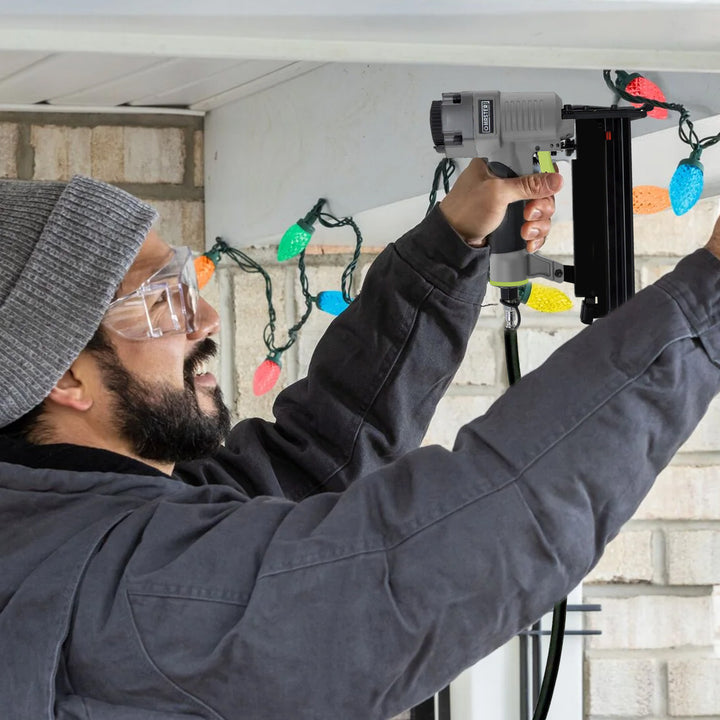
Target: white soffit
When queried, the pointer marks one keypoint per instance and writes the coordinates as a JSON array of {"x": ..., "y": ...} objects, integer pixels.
[
  {"x": 70, "y": 53},
  {"x": 69, "y": 80}
]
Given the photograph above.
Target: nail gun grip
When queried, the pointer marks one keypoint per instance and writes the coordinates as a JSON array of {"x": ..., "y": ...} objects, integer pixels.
[{"x": 507, "y": 237}]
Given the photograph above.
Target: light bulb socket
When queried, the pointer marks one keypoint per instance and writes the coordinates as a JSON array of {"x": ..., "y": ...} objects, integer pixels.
[
  {"x": 524, "y": 292},
  {"x": 624, "y": 78},
  {"x": 214, "y": 255},
  {"x": 694, "y": 159},
  {"x": 306, "y": 226},
  {"x": 310, "y": 219},
  {"x": 275, "y": 356}
]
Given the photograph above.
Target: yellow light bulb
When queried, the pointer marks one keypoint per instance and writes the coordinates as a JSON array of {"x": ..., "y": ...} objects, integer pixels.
[{"x": 548, "y": 299}]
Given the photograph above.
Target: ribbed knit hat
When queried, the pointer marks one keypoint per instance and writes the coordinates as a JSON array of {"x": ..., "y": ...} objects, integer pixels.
[{"x": 64, "y": 248}]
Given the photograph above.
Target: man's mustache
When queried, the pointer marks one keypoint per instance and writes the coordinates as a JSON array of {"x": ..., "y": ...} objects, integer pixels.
[{"x": 203, "y": 351}]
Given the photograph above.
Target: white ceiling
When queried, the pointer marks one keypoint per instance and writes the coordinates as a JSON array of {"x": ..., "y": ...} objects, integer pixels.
[{"x": 76, "y": 53}]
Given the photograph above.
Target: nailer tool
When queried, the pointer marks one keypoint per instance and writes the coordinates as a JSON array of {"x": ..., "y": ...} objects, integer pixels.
[{"x": 521, "y": 133}]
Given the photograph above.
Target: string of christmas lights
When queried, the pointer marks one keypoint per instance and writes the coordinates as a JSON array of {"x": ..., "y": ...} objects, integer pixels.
[
  {"x": 444, "y": 170},
  {"x": 334, "y": 301},
  {"x": 686, "y": 184},
  {"x": 268, "y": 371},
  {"x": 296, "y": 240},
  {"x": 294, "y": 244}
]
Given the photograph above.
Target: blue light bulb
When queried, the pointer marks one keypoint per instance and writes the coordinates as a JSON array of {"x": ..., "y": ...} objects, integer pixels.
[
  {"x": 686, "y": 185},
  {"x": 331, "y": 301}
]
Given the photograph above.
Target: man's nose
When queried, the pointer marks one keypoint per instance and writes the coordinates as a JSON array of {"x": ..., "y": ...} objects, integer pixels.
[{"x": 207, "y": 321}]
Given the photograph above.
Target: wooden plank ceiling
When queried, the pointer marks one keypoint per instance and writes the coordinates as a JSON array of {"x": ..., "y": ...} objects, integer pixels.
[{"x": 109, "y": 80}]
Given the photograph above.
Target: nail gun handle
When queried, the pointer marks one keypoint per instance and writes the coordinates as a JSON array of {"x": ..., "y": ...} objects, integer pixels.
[{"x": 507, "y": 237}]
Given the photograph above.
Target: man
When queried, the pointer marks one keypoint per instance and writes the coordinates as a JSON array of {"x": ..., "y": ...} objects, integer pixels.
[{"x": 321, "y": 566}]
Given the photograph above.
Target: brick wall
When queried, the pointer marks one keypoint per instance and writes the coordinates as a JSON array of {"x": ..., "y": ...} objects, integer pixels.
[
  {"x": 156, "y": 157},
  {"x": 659, "y": 581}
]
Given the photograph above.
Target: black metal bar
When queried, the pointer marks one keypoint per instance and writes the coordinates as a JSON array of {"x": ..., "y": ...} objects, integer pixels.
[
  {"x": 424, "y": 711},
  {"x": 532, "y": 633},
  {"x": 584, "y": 608},
  {"x": 444, "y": 704},
  {"x": 524, "y": 679},
  {"x": 602, "y": 208},
  {"x": 537, "y": 663}
]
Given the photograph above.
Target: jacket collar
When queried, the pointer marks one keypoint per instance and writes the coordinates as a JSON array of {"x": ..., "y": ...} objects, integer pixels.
[{"x": 17, "y": 451}]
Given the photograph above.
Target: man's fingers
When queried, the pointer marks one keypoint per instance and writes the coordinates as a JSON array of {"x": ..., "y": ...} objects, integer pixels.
[
  {"x": 536, "y": 209},
  {"x": 535, "y": 230},
  {"x": 535, "y": 245},
  {"x": 478, "y": 200},
  {"x": 527, "y": 187}
]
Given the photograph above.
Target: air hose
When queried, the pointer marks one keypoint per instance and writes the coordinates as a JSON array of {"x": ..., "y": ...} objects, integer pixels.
[{"x": 557, "y": 632}]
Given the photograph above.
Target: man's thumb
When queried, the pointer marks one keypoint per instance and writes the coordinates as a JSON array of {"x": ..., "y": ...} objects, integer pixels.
[{"x": 537, "y": 185}]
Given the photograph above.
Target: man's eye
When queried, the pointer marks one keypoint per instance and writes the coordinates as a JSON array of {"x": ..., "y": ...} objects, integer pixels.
[{"x": 161, "y": 299}]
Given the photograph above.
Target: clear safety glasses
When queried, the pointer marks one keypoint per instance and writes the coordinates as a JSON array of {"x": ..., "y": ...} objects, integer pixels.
[{"x": 165, "y": 304}]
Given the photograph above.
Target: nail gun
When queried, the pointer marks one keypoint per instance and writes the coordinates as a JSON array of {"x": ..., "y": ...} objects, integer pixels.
[{"x": 518, "y": 133}]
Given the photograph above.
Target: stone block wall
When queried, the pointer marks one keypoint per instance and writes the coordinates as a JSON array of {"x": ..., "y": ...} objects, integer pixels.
[
  {"x": 659, "y": 582},
  {"x": 156, "y": 157}
]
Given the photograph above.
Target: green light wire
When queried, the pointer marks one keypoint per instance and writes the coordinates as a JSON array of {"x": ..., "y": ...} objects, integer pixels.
[
  {"x": 347, "y": 276},
  {"x": 248, "y": 265},
  {"x": 444, "y": 170},
  {"x": 686, "y": 130}
]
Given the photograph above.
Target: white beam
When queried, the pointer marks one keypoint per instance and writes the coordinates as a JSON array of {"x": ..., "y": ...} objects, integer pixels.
[
  {"x": 361, "y": 51},
  {"x": 88, "y": 109}
]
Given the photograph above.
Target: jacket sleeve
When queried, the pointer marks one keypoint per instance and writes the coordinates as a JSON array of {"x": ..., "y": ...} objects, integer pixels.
[
  {"x": 361, "y": 603},
  {"x": 375, "y": 377}
]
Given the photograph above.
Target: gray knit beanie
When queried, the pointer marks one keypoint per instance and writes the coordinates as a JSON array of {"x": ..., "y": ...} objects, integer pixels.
[{"x": 64, "y": 248}]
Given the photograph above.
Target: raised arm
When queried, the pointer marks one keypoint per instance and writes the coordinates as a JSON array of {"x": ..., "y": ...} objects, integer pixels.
[
  {"x": 378, "y": 373},
  {"x": 361, "y": 603}
]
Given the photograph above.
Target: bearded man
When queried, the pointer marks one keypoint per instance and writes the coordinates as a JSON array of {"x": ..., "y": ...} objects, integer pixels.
[{"x": 155, "y": 564}]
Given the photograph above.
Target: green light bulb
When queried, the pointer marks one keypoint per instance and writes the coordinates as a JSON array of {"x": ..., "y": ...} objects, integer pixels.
[
  {"x": 297, "y": 236},
  {"x": 295, "y": 240}
]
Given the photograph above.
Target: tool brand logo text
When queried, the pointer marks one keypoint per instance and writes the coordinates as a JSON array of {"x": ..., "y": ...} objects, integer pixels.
[{"x": 486, "y": 117}]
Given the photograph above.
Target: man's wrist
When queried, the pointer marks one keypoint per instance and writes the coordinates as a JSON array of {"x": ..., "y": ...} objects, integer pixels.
[{"x": 473, "y": 242}]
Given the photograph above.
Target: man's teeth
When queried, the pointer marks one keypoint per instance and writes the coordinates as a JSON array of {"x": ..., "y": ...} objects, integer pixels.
[{"x": 202, "y": 368}]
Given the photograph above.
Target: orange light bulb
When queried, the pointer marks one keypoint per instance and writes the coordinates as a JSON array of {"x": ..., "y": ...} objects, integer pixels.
[
  {"x": 204, "y": 268},
  {"x": 649, "y": 199}
]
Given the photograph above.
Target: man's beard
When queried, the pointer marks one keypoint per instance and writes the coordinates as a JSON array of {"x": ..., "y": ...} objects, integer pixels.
[{"x": 163, "y": 423}]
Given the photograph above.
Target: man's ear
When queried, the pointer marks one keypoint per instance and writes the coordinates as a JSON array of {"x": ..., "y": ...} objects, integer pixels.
[{"x": 73, "y": 390}]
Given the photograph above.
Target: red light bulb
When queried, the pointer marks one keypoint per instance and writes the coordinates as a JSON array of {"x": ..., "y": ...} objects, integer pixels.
[
  {"x": 267, "y": 374},
  {"x": 643, "y": 87}
]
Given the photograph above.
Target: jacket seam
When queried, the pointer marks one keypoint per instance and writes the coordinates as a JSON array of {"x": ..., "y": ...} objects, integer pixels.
[
  {"x": 157, "y": 669},
  {"x": 438, "y": 283},
  {"x": 685, "y": 309},
  {"x": 182, "y": 596},
  {"x": 69, "y": 596},
  {"x": 364, "y": 415}
]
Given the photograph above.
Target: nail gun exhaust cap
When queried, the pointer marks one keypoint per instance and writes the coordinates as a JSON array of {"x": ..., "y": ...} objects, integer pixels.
[{"x": 436, "y": 127}]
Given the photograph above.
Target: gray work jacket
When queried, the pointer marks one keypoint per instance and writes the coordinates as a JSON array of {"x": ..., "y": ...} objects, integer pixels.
[{"x": 323, "y": 567}]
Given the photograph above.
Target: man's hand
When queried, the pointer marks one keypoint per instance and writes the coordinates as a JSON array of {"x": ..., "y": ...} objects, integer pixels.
[
  {"x": 476, "y": 204},
  {"x": 713, "y": 244}
]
